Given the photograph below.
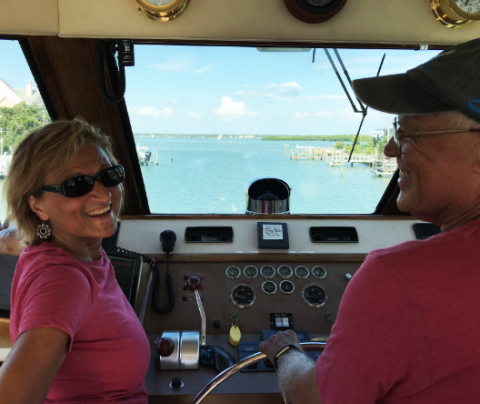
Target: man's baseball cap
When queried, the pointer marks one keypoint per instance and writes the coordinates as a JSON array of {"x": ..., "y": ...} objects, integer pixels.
[{"x": 449, "y": 81}]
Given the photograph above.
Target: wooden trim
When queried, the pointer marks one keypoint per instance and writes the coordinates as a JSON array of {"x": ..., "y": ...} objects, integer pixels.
[
  {"x": 267, "y": 257},
  {"x": 262, "y": 217}
]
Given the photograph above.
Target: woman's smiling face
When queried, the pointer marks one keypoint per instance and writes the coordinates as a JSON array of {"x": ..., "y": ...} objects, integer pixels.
[{"x": 87, "y": 219}]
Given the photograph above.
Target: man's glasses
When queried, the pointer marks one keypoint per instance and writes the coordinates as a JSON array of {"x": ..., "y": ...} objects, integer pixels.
[
  {"x": 400, "y": 137},
  {"x": 83, "y": 184}
]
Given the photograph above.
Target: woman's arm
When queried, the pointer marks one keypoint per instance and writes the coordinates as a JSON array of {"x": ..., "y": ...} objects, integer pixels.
[{"x": 31, "y": 366}]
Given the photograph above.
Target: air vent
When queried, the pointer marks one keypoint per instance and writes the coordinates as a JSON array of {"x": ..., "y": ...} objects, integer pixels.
[
  {"x": 333, "y": 235},
  {"x": 425, "y": 230},
  {"x": 209, "y": 235}
]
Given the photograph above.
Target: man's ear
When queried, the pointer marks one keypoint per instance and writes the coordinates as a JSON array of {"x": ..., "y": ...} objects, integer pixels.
[{"x": 37, "y": 206}]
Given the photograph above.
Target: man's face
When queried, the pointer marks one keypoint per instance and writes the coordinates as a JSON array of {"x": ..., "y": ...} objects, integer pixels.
[{"x": 437, "y": 178}]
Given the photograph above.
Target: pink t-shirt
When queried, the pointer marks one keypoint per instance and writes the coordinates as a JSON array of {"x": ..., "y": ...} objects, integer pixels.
[
  {"x": 109, "y": 352},
  {"x": 408, "y": 326}
]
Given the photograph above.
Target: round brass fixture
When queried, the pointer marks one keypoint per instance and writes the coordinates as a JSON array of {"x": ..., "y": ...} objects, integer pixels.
[
  {"x": 450, "y": 15},
  {"x": 161, "y": 10}
]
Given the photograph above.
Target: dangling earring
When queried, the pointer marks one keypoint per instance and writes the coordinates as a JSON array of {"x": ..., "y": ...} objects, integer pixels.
[{"x": 43, "y": 231}]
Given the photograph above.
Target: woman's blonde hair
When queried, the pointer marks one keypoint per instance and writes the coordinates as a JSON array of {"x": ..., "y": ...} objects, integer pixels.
[{"x": 49, "y": 148}]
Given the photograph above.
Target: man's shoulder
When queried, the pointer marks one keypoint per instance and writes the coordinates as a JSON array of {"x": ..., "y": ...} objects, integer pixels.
[{"x": 441, "y": 248}]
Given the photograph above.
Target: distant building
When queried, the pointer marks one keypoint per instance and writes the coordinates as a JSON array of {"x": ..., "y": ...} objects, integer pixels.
[
  {"x": 381, "y": 133},
  {"x": 10, "y": 96}
]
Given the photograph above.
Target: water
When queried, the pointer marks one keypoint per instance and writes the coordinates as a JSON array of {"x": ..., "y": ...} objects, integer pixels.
[{"x": 211, "y": 176}]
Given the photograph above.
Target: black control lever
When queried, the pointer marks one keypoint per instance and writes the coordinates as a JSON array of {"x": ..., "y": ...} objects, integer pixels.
[{"x": 167, "y": 238}]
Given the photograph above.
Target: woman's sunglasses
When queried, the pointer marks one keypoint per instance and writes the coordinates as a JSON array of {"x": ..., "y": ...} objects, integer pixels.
[{"x": 83, "y": 184}]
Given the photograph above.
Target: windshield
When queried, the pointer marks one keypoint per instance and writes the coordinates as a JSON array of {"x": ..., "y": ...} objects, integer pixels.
[{"x": 209, "y": 120}]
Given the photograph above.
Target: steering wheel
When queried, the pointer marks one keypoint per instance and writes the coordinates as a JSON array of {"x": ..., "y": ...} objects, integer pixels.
[{"x": 250, "y": 360}]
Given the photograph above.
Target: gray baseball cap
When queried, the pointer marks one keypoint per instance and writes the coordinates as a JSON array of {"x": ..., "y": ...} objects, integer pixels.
[{"x": 449, "y": 81}]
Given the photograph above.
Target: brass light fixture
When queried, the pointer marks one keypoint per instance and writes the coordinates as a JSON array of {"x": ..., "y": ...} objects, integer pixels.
[{"x": 161, "y": 10}]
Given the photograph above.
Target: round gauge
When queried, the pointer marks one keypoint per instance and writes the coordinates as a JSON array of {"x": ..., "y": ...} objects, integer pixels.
[
  {"x": 233, "y": 272},
  {"x": 466, "y": 8},
  {"x": 161, "y": 10},
  {"x": 319, "y": 272},
  {"x": 314, "y": 295},
  {"x": 250, "y": 271},
  {"x": 302, "y": 272},
  {"x": 314, "y": 11},
  {"x": 267, "y": 271},
  {"x": 242, "y": 296},
  {"x": 287, "y": 287},
  {"x": 284, "y": 271},
  {"x": 269, "y": 287}
]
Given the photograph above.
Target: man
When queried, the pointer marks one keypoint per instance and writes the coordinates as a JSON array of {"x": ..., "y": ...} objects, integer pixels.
[{"x": 408, "y": 326}]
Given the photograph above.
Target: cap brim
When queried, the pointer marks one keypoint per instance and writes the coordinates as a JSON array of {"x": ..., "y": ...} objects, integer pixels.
[{"x": 397, "y": 94}]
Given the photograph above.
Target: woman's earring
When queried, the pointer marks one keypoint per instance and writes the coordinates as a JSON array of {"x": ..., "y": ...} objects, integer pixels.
[{"x": 43, "y": 231}]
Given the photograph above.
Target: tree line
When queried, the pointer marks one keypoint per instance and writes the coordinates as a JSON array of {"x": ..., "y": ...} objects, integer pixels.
[{"x": 17, "y": 121}]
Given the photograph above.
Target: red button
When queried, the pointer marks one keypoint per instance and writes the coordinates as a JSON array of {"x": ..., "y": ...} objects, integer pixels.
[{"x": 194, "y": 283}]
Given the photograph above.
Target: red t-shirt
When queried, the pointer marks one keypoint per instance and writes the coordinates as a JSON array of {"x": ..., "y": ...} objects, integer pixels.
[
  {"x": 109, "y": 352},
  {"x": 408, "y": 326}
]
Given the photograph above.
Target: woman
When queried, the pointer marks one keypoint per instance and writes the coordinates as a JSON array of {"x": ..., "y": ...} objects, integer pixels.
[{"x": 76, "y": 337}]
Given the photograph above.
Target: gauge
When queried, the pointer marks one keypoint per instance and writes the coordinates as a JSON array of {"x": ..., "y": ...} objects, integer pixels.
[
  {"x": 269, "y": 287},
  {"x": 285, "y": 271},
  {"x": 250, "y": 271},
  {"x": 302, "y": 272},
  {"x": 267, "y": 271},
  {"x": 314, "y": 295},
  {"x": 233, "y": 272},
  {"x": 242, "y": 296},
  {"x": 287, "y": 287},
  {"x": 319, "y": 272}
]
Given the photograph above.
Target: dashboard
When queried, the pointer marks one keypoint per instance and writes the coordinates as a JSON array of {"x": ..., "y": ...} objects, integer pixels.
[{"x": 258, "y": 290}]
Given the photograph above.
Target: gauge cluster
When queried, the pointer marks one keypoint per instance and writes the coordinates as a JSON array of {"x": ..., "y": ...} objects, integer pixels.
[{"x": 281, "y": 279}]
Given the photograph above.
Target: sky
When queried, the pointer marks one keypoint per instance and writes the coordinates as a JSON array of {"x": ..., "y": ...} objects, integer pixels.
[{"x": 228, "y": 90}]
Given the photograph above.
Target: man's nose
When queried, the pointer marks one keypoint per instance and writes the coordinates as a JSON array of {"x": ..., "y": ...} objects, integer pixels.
[{"x": 391, "y": 149}]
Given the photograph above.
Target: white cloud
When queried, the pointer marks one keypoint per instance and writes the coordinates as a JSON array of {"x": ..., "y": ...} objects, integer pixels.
[
  {"x": 164, "y": 113},
  {"x": 195, "y": 115},
  {"x": 322, "y": 113},
  {"x": 347, "y": 113},
  {"x": 246, "y": 85},
  {"x": 291, "y": 89},
  {"x": 183, "y": 64},
  {"x": 230, "y": 110},
  {"x": 286, "y": 89},
  {"x": 301, "y": 116}
]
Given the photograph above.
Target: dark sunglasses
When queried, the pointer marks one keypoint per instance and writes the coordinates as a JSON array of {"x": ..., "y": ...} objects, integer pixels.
[{"x": 83, "y": 184}]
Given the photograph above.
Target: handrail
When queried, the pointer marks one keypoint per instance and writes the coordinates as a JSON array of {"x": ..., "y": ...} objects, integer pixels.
[{"x": 250, "y": 360}]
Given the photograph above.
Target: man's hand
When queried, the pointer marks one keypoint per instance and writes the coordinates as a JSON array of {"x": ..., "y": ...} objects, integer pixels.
[
  {"x": 276, "y": 342},
  {"x": 296, "y": 372}
]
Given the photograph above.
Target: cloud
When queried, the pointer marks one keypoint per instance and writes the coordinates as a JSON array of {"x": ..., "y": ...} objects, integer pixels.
[
  {"x": 164, "y": 113},
  {"x": 230, "y": 110},
  {"x": 322, "y": 113},
  {"x": 291, "y": 89},
  {"x": 301, "y": 116},
  {"x": 182, "y": 64},
  {"x": 246, "y": 85},
  {"x": 195, "y": 115}
]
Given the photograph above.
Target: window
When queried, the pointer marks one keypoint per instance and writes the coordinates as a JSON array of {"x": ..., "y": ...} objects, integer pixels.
[{"x": 202, "y": 117}]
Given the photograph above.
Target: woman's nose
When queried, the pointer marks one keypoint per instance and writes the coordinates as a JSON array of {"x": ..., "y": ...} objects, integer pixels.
[{"x": 391, "y": 149}]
